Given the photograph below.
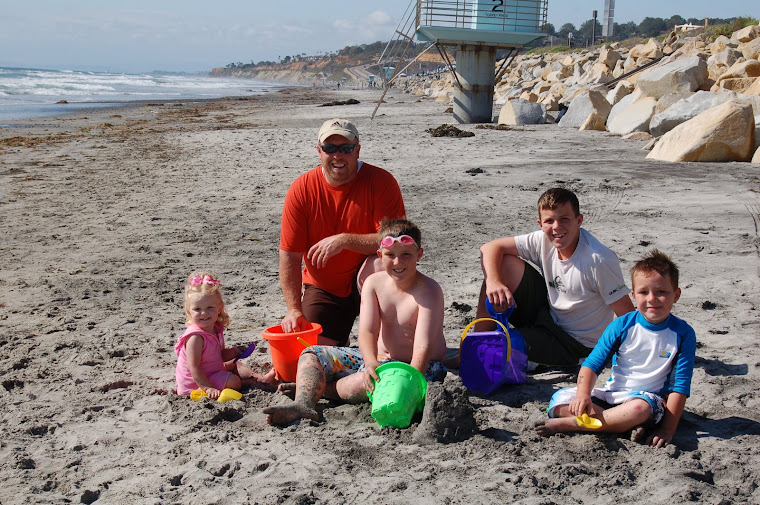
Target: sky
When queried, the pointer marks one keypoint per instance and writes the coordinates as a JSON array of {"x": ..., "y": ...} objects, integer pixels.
[{"x": 137, "y": 36}]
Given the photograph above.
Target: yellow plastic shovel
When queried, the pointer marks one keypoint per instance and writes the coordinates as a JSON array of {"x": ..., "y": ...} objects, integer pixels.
[
  {"x": 585, "y": 421},
  {"x": 225, "y": 396}
]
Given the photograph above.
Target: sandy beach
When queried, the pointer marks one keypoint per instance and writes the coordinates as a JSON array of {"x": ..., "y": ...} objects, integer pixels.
[{"x": 104, "y": 213}]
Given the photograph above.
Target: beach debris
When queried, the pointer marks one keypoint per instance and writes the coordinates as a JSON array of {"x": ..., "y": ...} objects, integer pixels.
[
  {"x": 89, "y": 496},
  {"x": 475, "y": 171},
  {"x": 447, "y": 130},
  {"x": 461, "y": 307},
  {"x": 350, "y": 101},
  {"x": 502, "y": 127}
]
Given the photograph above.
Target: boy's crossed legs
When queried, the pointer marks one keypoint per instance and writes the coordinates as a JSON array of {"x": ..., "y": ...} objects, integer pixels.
[{"x": 641, "y": 408}]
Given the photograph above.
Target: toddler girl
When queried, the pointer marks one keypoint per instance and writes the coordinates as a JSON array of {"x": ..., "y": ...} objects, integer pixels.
[{"x": 202, "y": 361}]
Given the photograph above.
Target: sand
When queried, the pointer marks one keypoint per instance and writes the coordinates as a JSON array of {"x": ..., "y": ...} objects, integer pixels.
[{"x": 104, "y": 213}]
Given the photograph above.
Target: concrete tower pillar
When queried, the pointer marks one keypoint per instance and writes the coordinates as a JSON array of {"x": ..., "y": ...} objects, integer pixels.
[{"x": 475, "y": 68}]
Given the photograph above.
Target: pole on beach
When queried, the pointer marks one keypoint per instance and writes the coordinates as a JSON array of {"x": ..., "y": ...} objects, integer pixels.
[{"x": 473, "y": 103}]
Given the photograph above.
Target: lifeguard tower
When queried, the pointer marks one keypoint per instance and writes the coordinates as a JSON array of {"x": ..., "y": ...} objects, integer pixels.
[{"x": 478, "y": 28}]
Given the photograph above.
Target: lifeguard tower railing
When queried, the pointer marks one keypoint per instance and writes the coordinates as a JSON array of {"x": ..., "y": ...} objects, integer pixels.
[{"x": 498, "y": 23}]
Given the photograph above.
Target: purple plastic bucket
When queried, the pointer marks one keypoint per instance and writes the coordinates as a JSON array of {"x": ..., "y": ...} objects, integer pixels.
[{"x": 488, "y": 360}]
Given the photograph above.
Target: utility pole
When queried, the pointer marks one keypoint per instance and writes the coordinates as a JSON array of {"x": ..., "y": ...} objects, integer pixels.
[{"x": 593, "y": 30}]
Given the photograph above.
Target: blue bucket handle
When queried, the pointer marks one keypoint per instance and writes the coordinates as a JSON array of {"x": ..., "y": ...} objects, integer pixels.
[{"x": 501, "y": 317}]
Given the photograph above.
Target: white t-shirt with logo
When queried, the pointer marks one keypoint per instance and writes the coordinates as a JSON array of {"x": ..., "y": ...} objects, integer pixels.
[{"x": 580, "y": 288}]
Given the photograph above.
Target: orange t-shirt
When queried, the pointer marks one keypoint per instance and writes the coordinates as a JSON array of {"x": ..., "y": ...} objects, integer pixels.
[{"x": 314, "y": 210}]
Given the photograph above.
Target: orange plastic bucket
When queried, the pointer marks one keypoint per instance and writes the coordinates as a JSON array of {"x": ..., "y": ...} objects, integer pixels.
[{"x": 285, "y": 348}]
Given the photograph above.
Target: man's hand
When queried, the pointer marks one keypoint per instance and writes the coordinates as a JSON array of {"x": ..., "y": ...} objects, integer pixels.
[
  {"x": 293, "y": 321},
  {"x": 325, "y": 249},
  {"x": 499, "y": 295}
]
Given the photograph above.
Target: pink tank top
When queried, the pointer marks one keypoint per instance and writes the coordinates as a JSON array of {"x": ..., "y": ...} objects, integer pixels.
[{"x": 211, "y": 357}]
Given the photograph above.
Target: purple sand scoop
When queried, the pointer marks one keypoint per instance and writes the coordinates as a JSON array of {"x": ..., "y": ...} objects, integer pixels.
[{"x": 248, "y": 351}]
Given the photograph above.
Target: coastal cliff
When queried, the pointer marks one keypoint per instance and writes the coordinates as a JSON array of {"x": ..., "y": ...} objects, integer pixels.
[
  {"x": 301, "y": 71},
  {"x": 277, "y": 74}
]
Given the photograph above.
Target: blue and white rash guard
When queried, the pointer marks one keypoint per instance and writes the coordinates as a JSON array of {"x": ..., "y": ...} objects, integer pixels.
[{"x": 657, "y": 358}]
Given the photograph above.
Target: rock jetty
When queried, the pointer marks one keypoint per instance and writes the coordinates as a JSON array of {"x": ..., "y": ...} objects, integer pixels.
[{"x": 698, "y": 97}]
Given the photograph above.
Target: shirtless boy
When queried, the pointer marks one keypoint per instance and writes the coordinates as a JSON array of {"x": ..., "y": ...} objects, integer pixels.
[{"x": 401, "y": 319}]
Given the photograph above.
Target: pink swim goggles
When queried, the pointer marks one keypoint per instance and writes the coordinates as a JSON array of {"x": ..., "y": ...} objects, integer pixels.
[{"x": 388, "y": 241}]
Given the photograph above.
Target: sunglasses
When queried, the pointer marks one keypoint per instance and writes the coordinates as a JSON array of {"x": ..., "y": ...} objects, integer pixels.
[
  {"x": 332, "y": 148},
  {"x": 388, "y": 241}
]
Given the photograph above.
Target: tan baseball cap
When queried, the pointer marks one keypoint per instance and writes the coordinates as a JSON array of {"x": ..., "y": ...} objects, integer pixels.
[{"x": 342, "y": 127}]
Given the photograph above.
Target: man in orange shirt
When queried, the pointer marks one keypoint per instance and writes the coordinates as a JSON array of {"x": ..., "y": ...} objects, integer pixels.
[{"x": 329, "y": 225}]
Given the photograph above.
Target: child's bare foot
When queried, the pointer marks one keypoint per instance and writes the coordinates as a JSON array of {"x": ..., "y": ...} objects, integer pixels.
[
  {"x": 286, "y": 414},
  {"x": 288, "y": 389},
  {"x": 268, "y": 378},
  {"x": 638, "y": 434},
  {"x": 543, "y": 428},
  {"x": 549, "y": 427}
]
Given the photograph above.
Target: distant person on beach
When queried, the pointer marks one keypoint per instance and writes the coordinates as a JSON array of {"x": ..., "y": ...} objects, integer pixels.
[
  {"x": 401, "y": 320},
  {"x": 652, "y": 353},
  {"x": 329, "y": 224},
  {"x": 202, "y": 360},
  {"x": 563, "y": 307}
]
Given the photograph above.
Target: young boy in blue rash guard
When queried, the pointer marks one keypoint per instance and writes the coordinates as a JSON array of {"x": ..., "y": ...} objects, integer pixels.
[{"x": 652, "y": 355}]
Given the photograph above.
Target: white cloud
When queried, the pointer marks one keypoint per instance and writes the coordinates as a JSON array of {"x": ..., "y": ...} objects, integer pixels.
[
  {"x": 295, "y": 29},
  {"x": 344, "y": 24},
  {"x": 379, "y": 18}
]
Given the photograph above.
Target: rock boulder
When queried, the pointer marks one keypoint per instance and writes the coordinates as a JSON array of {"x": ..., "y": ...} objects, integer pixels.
[
  {"x": 683, "y": 74},
  {"x": 634, "y": 118},
  {"x": 582, "y": 106},
  {"x": 522, "y": 112},
  {"x": 723, "y": 133}
]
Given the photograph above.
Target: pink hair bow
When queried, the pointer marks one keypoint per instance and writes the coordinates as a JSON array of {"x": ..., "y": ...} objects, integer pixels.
[{"x": 196, "y": 280}]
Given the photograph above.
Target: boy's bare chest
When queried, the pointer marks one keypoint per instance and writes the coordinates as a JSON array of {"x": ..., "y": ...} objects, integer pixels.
[{"x": 400, "y": 310}]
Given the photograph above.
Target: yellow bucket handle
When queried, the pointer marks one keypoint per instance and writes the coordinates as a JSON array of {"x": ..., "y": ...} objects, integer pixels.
[{"x": 506, "y": 333}]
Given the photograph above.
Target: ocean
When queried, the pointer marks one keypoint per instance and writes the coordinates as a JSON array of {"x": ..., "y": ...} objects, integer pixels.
[{"x": 29, "y": 93}]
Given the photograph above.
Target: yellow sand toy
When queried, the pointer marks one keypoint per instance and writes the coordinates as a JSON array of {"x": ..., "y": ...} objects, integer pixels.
[
  {"x": 585, "y": 421},
  {"x": 225, "y": 396}
]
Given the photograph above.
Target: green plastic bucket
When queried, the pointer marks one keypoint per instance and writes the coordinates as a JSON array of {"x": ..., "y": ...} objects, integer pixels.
[{"x": 398, "y": 395}]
